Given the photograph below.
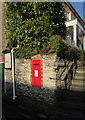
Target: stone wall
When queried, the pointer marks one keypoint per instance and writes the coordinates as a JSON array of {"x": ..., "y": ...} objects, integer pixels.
[
  {"x": 3, "y": 41},
  {"x": 23, "y": 71},
  {"x": 80, "y": 63},
  {"x": 8, "y": 75},
  {"x": 49, "y": 73},
  {"x": 23, "y": 77}
]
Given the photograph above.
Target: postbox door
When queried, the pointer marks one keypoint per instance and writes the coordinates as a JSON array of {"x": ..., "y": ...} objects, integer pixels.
[{"x": 36, "y": 73}]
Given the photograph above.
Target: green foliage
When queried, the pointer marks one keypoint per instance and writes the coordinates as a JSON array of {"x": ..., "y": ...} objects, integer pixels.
[
  {"x": 64, "y": 50},
  {"x": 31, "y": 24},
  {"x": 38, "y": 27},
  {"x": 55, "y": 45},
  {"x": 82, "y": 57},
  {"x": 22, "y": 53}
]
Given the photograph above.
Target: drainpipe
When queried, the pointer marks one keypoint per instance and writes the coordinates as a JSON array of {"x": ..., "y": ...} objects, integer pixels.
[{"x": 13, "y": 78}]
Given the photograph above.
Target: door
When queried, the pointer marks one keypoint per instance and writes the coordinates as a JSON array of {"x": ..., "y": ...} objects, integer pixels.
[
  {"x": 2, "y": 75},
  {"x": 36, "y": 73}
]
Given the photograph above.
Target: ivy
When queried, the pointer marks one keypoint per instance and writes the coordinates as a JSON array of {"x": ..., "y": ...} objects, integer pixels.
[
  {"x": 31, "y": 24},
  {"x": 38, "y": 27}
]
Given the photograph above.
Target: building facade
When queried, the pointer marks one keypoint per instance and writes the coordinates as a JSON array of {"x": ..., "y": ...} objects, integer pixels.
[{"x": 75, "y": 27}]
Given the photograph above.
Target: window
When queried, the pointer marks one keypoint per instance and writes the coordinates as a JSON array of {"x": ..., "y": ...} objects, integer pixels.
[
  {"x": 68, "y": 14},
  {"x": 68, "y": 39}
]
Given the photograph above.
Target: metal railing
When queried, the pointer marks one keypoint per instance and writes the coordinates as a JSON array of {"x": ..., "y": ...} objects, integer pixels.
[{"x": 66, "y": 75}]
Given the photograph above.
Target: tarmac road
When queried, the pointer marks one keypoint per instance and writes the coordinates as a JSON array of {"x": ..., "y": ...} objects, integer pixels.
[
  {"x": 69, "y": 107},
  {"x": 13, "y": 110}
]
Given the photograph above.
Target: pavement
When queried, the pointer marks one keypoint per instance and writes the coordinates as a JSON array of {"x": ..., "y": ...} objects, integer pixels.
[{"x": 68, "y": 106}]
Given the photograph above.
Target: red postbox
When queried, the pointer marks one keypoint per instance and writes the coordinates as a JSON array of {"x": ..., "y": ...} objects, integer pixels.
[{"x": 36, "y": 73}]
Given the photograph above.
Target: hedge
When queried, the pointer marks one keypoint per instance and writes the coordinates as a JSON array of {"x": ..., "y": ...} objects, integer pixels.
[
  {"x": 55, "y": 45},
  {"x": 64, "y": 50}
]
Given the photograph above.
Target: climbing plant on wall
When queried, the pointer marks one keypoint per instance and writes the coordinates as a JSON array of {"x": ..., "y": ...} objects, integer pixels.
[{"x": 31, "y": 24}]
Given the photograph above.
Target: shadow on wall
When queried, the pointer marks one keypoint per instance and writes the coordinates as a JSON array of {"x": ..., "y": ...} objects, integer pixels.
[{"x": 42, "y": 94}]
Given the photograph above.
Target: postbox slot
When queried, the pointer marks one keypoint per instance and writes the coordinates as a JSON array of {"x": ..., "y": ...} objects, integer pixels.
[{"x": 36, "y": 64}]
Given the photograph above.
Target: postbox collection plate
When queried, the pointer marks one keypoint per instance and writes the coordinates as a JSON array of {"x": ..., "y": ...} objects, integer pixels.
[{"x": 36, "y": 73}]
